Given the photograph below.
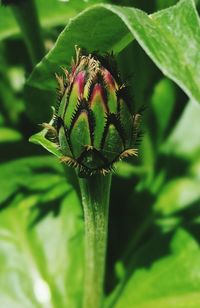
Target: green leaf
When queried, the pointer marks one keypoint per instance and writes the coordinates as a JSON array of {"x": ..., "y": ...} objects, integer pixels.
[
  {"x": 160, "y": 4},
  {"x": 41, "y": 235},
  {"x": 163, "y": 4},
  {"x": 163, "y": 100},
  {"x": 40, "y": 138},
  {"x": 109, "y": 32},
  {"x": 170, "y": 282},
  {"x": 165, "y": 36},
  {"x": 21, "y": 173},
  {"x": 195, "y": 168},
  {"x": 9, "y": 135},
  {"x": 127, "y": 170},
  {"x": 184, "y": 139},
  {"x": 54, "y": 14},
  {"x": 45, "y": 143},
  {"x": 11, "y": 104},
  {"x": 41, "y": 265},
  {"x": 177, "y": 195}
]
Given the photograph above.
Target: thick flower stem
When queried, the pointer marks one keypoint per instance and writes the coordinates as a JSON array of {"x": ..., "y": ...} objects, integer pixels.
[
  {"x": 95, "y": 192},
  {"x": 26, "y": 15}
]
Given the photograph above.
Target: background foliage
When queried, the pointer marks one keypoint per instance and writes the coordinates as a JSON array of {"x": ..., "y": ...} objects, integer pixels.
[{"x": 153, "y": 247}]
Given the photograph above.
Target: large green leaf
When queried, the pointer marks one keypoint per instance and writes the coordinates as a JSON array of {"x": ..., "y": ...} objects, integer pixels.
[
  {"x": 166, "y": 37},
  {"x": 41, "y": 264},
  {"x": 172, "y": 281},
  {"x": 41, "y": 235}
]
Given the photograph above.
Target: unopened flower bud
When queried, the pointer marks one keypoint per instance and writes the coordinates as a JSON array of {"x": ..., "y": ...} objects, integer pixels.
[{"x": 93, "y": 122}]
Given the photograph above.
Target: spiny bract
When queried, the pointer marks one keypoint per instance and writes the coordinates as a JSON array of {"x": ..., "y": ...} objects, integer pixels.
[{"x": 93, "y": 125}]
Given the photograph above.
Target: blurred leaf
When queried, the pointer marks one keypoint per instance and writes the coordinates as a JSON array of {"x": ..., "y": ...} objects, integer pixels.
[
  {"x": 41, "y": 265},
  {"x": 1, "y": 120},
  {"x": 158, "y": 34},
  {"x": 41, "y": 182},
  {"x": 184, "y": 139},
  {"x": 9, "y": 135},
  {"x": 177, "y": 195},
  {"x": 132, "y": 62},
  {"x": 172, "y": 281},
  {"x": 195, "y": 168},
  {"x": 163, "y": 100},
  {"x": 168, "y": 223},
  {"x": 41, "y": 236},
  {"x": 127, "y": 170},
  {"x": 24, "y": 172},
  {"x": 147, "y": 158},
  {"x": 11, "y": 83},
  {"x": 16, "y": 78},
  {"x": 164, "y": 4},
  {"x": 11, "y": 105},
  {"x": 54, "y": 14}
]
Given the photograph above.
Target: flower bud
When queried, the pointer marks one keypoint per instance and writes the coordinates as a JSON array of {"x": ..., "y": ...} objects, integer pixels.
[{"x": 93, "y": 122}]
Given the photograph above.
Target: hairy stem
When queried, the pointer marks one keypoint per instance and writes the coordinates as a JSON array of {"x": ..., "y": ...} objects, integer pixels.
[
  {"x": 25, "y": 13},
  {"x": 95, "y": 192}
]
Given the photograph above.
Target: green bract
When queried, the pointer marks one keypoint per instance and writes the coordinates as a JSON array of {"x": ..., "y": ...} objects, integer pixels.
[{"x": 93, "y": 125}]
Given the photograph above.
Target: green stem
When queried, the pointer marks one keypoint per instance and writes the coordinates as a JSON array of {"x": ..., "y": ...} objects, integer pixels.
[
  {"x": 26, "y": 15},
  {"x": 95, "y": 192}
]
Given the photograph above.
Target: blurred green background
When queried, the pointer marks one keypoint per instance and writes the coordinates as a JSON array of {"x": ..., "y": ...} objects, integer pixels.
[{"x": 153, "y": 255}]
